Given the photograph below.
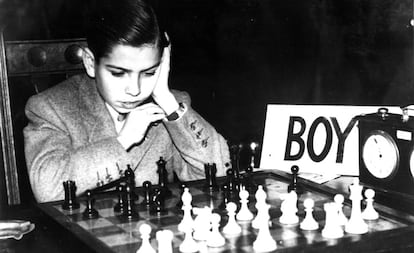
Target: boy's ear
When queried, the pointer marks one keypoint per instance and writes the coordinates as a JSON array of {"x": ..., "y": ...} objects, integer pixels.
[{"x": 89, "y": 62}]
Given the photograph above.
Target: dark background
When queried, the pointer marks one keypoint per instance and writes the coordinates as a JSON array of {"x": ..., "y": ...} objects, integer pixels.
[{"x": 236, "y": 56}]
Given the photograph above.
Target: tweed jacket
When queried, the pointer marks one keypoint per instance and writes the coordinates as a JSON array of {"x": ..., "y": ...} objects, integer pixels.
[{"x": 71, "y": 136}]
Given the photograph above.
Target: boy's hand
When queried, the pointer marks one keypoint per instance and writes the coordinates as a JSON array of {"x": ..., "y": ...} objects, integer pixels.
[
  {"x": 162, "y": 94},
  {"x": 137, "y": 123}
]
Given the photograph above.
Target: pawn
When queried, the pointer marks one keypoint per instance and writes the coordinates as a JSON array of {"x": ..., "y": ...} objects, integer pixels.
[
  {"x": 145, "y": 231},
  {"x": 164, "y": 239},
  {"x": 309, "y": 223},
  {"x": 369, "y": 212},
  {"x": 129, "y": 210},
  {"x": 231, "y": 228},
  {"x": 215, "y": 239},
  {"x": 244, "y": 213},
  {"x": 90, "y": 212},
  {"x": 147, "y": 201},
  {"x": 339, "y": 200},
  {"x": 189, "y": 245},
  {"x": 120, "y": 206}
]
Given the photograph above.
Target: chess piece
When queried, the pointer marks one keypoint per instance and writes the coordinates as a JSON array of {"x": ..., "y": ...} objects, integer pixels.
[
  {"x": 261, "y": 204},
  {"x": 189, "y": 245},
  {"x": 180, "y": 201},
  {"x": 147, "y": 201},
  {"x": 145, "y": 231},
  {"x": 294, "y": 186},
  {"x": 244, "y": 213},
  {"x": 99, "y": 181},
  {"x": 164, "y": 239},
  {"x": 187, "y": 221},
  {"x": 225, "y": 197},
  {"x": 369, "y": 212},
  {"x": 120, "y": 206},
  {"x": 232, "y": 228},
  {"x": 289, "y": 208},
  {"x": 70, "y": 202},
  {"x": 264, "y": 241},
  {"x": 231, "y": 183},
  {"x": 130, "y": 181},
  {"x": 108, "y": 176},
  {"x": 90, "y": 212},
  {"x": 215, "y": 239},
  {"x": 163, "y": 178},
  {"x": 332, "y": 229},
  {"x": 130, "y": 212},
  {"x": 248, "y": 180},
  {"x": 309, "y": 223},
  {"x": 210, "y": 171},
  {"x": 356, "y": 224},
  {"x": 339, "y": 200},
  {"x": 158, "y": 202},
  {"x": 201, "y": 223}
]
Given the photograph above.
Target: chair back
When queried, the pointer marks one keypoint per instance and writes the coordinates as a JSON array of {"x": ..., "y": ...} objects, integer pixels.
[{"x": 27, "y": 68}]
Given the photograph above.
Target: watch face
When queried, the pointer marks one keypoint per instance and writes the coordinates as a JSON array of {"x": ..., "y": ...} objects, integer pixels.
[{"x": 380, "y": 154}]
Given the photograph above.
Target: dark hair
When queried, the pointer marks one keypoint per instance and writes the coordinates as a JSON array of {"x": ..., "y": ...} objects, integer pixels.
[{"x": 125, "y": 22}]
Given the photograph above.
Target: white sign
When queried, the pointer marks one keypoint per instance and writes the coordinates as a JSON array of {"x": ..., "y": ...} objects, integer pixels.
[{"x": 321, "y": 139}]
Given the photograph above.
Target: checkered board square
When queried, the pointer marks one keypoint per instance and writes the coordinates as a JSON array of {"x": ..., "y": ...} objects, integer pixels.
[{"x": 119, "y": 234}]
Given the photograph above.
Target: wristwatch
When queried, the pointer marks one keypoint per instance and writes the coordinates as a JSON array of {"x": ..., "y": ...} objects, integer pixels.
[{"x": 178, "y": 113}]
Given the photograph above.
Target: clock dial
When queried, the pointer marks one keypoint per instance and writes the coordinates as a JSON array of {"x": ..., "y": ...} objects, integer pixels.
[
  {"x": 412, "y": 163},
  {"x": 380, "y": 154}
]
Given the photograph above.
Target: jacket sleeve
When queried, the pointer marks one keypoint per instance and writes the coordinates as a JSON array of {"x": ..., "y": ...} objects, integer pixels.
[
  {"x": 197, "y": 142},
  {"x": 52, "y": 157}
]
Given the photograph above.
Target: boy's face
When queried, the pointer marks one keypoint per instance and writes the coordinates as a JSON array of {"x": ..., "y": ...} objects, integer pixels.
[{"x": 126, "y": 77}]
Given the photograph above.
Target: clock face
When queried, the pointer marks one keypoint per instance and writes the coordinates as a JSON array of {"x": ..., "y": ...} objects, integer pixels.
[
  {"x": 412, "y": 163},
  {"x": 380, "y": 154}
]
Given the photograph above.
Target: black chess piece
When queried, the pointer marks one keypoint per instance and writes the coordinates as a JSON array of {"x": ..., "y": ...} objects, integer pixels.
[
  {"x": 70, "y": 202},
  {"x": 210, "y": 170},
  {"x": 225, "y": 197},
  {"x": 294, "y": 186},
  {"x": 235, "y": 160},
  {"x": 231, "y": 182},
  {"x": 158, "y": 203},
  {"x": 147, "y": 201},
  {"x": 90, "y": 212},
  {"x": 130, "y": 211},
  {"x": 120, "y": 206},
  {"x": 248, "y": 180},
  {"x": 130, "y": 181},
  {"x": 163, "y": 178}
]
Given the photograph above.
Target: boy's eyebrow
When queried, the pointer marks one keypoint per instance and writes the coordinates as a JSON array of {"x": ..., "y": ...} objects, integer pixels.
[{"x": 128, "y": 70}]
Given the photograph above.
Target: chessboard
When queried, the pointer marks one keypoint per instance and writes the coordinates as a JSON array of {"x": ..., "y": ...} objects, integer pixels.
[{"x": 112, "y": 232}]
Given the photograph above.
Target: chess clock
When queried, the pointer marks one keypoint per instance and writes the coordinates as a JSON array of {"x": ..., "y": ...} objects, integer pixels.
[{"x": 386, "y": 157}]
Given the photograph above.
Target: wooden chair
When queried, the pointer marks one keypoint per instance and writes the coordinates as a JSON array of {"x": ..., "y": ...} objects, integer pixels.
[{"x": 26, "y": 68}]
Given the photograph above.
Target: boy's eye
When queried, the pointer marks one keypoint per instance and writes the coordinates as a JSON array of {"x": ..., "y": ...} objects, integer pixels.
[
  {"x": 117, "y": 74},
  {"x": 149, "y": 73}
]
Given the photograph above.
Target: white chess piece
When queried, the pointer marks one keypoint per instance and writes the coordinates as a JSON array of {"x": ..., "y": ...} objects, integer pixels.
[
  {"x": 260, "y": 196},
  {"x": 309, "y": 223},
  {"x": 289, "y": 208},
  {"x": 201, "y": 223},
  {"x": 215, "y": 239},
  {"x": 187, "y": 220},
  {"x": 264, "y": 241},
  {"x": 231, "y": 228},
  {"x": 145, "y": 231},
  {"x": 356, "y": 225},
  {"x": 164, "y": 239},
  {"x": 369, "y": 212},
  {"x": 189, "y": 245},
  {"x": 332, "y": 229},
  {"x": 244, "y": 213},
  {"x": 339, "y": 200}
]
